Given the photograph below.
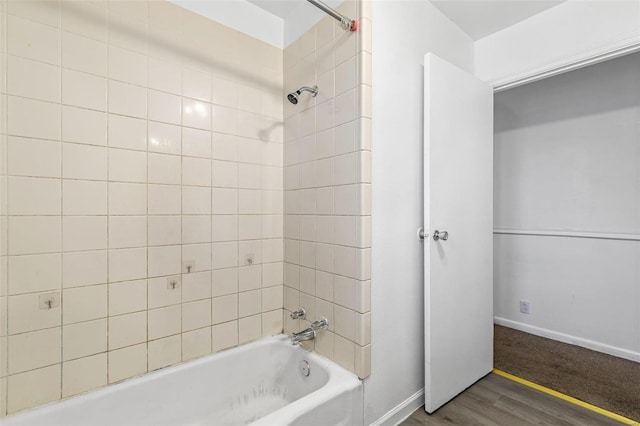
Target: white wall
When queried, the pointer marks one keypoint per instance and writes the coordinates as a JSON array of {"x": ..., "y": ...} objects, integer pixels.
[
  {"x": 403, "y": 32},
  {"x": 554, "y": 38},
  {"x": 567, "y": 163}
]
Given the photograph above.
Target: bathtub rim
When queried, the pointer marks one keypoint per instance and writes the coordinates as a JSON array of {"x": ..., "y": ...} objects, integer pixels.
[{"x": 337, "y": 375}]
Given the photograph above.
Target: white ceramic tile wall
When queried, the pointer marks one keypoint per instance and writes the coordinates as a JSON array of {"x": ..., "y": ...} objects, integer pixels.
[
  {"x": 141, "y": 188},
  {"x": 327, "y": 183}
]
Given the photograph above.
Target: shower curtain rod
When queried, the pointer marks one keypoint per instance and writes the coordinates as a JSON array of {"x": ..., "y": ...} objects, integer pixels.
[{"x": 345, "y": 22}]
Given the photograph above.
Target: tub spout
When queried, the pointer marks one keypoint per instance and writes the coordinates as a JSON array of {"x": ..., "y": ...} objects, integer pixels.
[
  {"x": 303, "y": 336},
  {"x": 309, "y": 333}
]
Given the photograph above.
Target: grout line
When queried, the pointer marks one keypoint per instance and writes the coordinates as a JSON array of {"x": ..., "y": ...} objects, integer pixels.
[{"x": 567, "y": 398}]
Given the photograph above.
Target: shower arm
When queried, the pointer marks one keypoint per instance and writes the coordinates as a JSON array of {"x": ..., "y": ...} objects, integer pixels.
[{"x": 345, "y": 22}]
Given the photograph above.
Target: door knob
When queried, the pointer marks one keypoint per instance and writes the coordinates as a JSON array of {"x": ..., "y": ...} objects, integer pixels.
[
  {"x": 421, "y": 234},
  {"x": 440, "y": 235}
]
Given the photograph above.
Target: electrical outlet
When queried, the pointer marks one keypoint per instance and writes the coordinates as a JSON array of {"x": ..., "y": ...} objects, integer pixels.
[
  {"x": 525, "y": 307},
  {"x": 173, "y": 283}
]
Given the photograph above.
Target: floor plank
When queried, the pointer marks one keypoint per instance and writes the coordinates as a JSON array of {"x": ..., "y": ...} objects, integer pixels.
[{"x": 497, "y": 401}]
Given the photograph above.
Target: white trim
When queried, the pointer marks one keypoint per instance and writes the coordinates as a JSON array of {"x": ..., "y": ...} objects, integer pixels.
[
  {"x": 567, "y": 338},
  {"x": 610, "y": 50},
  {"x": 402, "y": 411},
  {"x": 569, "y": 234}
]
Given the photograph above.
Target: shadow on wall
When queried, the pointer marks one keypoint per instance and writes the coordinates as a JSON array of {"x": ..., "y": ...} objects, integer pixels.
[
  {"x": 238, "y": 61},
  {"x": 613, "y": 91}
]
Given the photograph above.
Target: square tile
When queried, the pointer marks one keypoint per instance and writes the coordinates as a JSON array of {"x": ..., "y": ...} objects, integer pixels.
[
  {"x": 196, "y": 171},
  {"x": 164, "y": 138},
  {"x": 164, "y": 169},
  {"x": 127, "y": 231},
  {"x": 37, "y": 273},
  {"x": 224, "y": 282},
  {"x": 33, "y": 40},
  {"x": 128, "y": 198},
  {"x": 23, "y": 113},
  {"x": 33, "y": 350},
  {"x": 249, "y": 328},
  {"x": 25, "y": 314},
  {"x": 196, "y": 84},
  {"x": 31, "y": 79},
  {"x": 84, "y": 197},
  {"x": 196, "y": 142},
  {"x": 224, "y": 309},
  {"x": 164, "y": 260},
  {"x": 198, "y": 253},
  {"x": 196, "y": 343},
  {"x": 84, "y": 339},
  {"x": 45, "y": 196},
  {"x": 196, "y": 200},
  {"x": 84, "y": 54},
  {"x": 33, "y": 157},
  {"x": 165, "y": 76},
  {"x": 127, "y": 296},
  {"x": 196, "y": 285},
  {"x": 127, "y": 264},
  {"x": 164, "y": 230},
  {"x": 165, "y": 352},
  {"x": 224, "y": 255},
  {"x": 224, "y": 336},
  {"x": 84, "y": 304},
  {"x": 127, "y": 66},
  {"x": 127, "y": 362},
  {"x": 84, "y": 233},
  {"x": 84, "y": 374},
  {"x": 127, "y": 330},
  {"x": 127, "y": 133},
  {"x": 84, "y": 268},
  {"x": 165, "y": 199},
  {"x": 249, "y": 303},
  {"x": 196, "y": 315},
  {"x": 164, "y": 107},
  {"x": 84, "y": 162},
  {"x": 161, "y": 294},
  {"x": 84, "y": 90},
  {"x": 127, "y": 166},
  {"x": 196, "y": 114},
  {"x": 127, "y": 99},
  {"x": 34, "y": 234},
  {"x": 33, "y": 388},
  {"x": 164, "y": 322}
]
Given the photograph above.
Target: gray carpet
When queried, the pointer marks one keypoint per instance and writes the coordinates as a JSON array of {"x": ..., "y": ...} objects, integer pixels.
[{"x": 602, "y": 380}]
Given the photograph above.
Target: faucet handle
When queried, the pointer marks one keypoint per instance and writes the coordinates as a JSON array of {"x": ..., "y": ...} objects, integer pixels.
[
  {"x": 321, "y": 324},
  {"x": 299, "y": 314}
]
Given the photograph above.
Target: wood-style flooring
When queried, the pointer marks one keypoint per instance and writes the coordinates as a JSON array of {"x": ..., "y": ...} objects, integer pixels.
[{"x": 495, "y": 400}]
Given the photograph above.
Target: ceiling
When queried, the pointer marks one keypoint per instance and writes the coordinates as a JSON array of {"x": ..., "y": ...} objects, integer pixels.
[
  {"x": 280, "y": 8},
  {"x": 479, "y": 18}
]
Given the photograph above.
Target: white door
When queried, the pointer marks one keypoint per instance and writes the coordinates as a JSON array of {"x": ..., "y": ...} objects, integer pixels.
[{"x": 458, "y": 186}]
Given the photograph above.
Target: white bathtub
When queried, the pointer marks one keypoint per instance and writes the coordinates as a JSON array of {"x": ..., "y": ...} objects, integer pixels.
[{"x": 260, "y": 383}]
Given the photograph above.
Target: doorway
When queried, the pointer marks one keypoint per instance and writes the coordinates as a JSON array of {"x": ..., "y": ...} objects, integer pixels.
[{"x": 567, "y": 209}]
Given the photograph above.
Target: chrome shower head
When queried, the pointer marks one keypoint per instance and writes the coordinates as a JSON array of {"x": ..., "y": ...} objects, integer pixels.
[{"x": 293, "y": 96}]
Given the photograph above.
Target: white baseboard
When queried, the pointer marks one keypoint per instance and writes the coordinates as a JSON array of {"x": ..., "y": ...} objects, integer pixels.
[
  {"x": 402, "y": 411},
  {"x": 567, "y": 338}
]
